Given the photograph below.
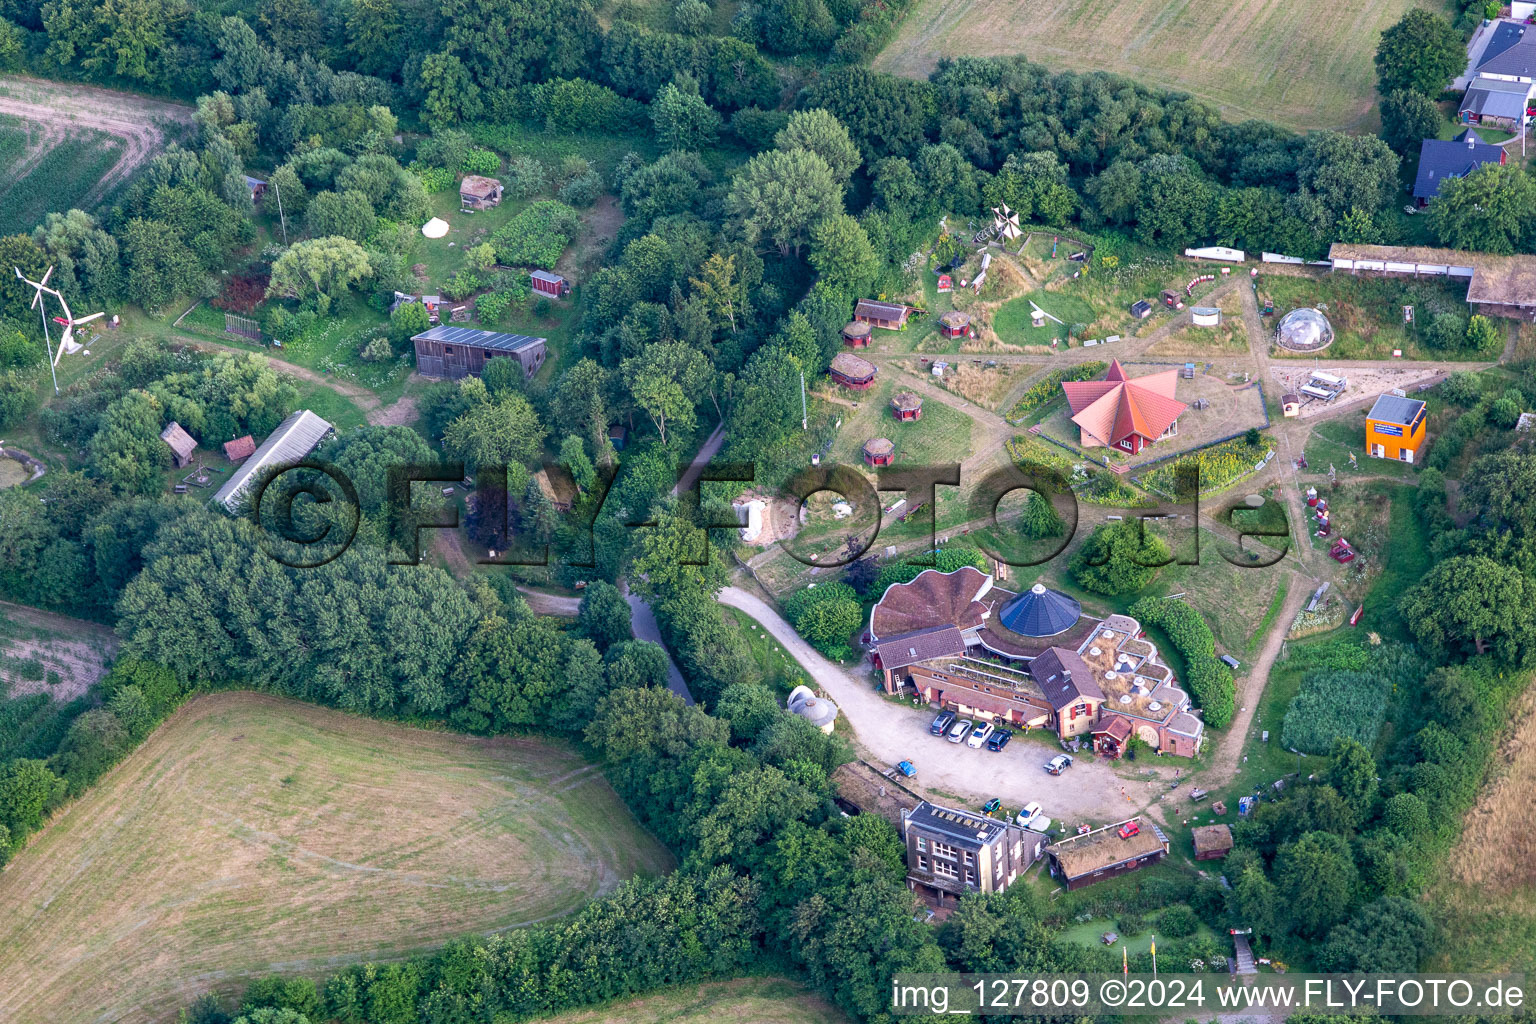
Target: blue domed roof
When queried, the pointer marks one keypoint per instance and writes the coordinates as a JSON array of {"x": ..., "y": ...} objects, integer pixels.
[{"x": 1040, "y": 611}]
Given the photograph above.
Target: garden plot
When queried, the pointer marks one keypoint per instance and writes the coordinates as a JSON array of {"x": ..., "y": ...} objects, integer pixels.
[{"x": 50, "y": 654}]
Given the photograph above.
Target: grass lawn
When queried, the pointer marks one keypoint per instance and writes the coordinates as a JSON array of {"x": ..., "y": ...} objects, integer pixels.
[
  {"x": 1333, "y": 441},
  {"x": 1308, "y": 65},
  {"x": 943, "y": 434},
  {"x": 1366, "y": 313},
  {"x": 1228, "y": 338},
  {"x": 1013, "y": 325},
  {"x": 778, "y": 669},
  {"x": 251, "y": 834},
  {"x": 742, "y": 1000}
]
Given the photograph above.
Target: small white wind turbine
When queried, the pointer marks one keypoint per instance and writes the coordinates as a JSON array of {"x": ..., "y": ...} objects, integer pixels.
[
  {"x": 67, "y": 341},
  {"x": 1006, "y": 223}
]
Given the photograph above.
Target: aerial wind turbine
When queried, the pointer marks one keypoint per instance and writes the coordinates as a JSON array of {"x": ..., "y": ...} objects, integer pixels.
[{"x": 67, "y": 341}]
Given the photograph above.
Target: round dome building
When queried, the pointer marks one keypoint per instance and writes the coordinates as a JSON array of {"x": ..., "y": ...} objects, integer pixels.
[{"x": 1304, "y": 330}]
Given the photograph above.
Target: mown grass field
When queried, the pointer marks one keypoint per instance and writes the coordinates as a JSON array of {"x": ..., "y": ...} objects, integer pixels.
[
  {"x": 252, "y": 835},
  {"x": 1305, "y": 65},
  {"x": 742, "y": 1001}
]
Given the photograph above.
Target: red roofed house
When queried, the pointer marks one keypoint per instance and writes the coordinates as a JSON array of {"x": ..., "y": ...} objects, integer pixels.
[{"x": 1118, "y": 412}]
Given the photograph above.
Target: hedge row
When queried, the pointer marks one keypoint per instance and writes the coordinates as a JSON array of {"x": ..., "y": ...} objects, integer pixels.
[
  {"x": 1049, "y": 386},
  {"x": 1209, "y": 680}
]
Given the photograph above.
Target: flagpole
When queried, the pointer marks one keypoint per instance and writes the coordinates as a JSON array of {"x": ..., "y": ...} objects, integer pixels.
[
  {"x": 1125, "y": 960},
  {"x": 1154, "y": 956}
]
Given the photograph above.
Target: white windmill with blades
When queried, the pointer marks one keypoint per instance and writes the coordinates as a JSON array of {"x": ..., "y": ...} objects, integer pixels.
[
  {"x": 1006, "y": 223},
  {"x": 67, "y": 342}
]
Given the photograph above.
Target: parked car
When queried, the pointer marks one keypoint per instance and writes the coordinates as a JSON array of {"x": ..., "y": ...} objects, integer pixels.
[
  {"x": 979, "y": 735},
  {"x": 1058, "y": 764},
  {"x": 991, "y": 807},
  {"x": 958, "y": 730},
  {"x": 999, "y": 739},
  {"x": 908, "y": 769},
  {"x": 1130, "y": 828},
  {"x": 942, "y": 723},
  {"x": 1030, "y": 812}
]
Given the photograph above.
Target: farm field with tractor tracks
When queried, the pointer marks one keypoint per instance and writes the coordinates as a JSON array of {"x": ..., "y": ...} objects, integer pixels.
[
  {"x": 1302, "y": 65},
  {"x": 250, "y": 835}
]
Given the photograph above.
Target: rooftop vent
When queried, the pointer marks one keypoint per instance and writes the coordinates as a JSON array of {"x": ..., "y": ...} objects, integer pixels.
[
  {"x": 1154, "y": 706},
  {"x": 1110, "y": 675},
  {"x": 1125, "y": 698},
  {"x": 1094, "y": 651}
]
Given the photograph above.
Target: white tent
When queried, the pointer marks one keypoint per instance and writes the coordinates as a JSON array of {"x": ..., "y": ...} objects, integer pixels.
[{"x": 435, "y": 228}]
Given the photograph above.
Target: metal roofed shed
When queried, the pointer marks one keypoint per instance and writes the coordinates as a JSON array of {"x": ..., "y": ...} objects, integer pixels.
[
  {"x": 1040, "y": 611},
  {"x": 294, "y": 438},
  {"x": 449, "y": 351}
]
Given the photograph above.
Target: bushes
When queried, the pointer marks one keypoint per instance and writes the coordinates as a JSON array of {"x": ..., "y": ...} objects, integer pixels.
[
  {"x": 490, "y": 306},
  {"x": 1332, "y": 704},
  {"x": 537, "y": 236},
  {"x": 826, "y": 615},
  {"x": 1218, "y": 466},
  {"x": 1119, "y": 558},
  {"x": 481, "y": 161},
  {"x": 435, "y": 179},
  {"x": 1210, "y": 682}
]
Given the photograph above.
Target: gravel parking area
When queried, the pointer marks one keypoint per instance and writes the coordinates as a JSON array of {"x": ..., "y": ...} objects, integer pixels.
[{"x": 888, "y": 731}]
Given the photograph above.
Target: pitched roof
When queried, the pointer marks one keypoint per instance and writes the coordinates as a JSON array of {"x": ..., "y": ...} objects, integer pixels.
[
  {"x": 906, "y": 401},
  {"x": 923, "y": 645},
  {"x": 239, "y": 448},
  {"x": 955, "y": 318},
  {"x": 1495, "y": 97},
  {"x": 1114, "y": 408},
  {"x": 1510, "y": 52},
  {"x": 1440, "y": 159},
  {"x": 546, "y": 276},
  {"x": 855, "y": 329},
  {"x": 1064, "y": 677},
  {"x": 472, "y": 337},
  {"x": 880, "y": 310},
  {"x": 293, "y": 439},
  {"x": 1395, "y": 409},
  {"x": 1505, "y": 35},
  {"x": 933, "y": 598},
  {"x": 1040, "y": 611},
  {"x": 180, "y": 441}
]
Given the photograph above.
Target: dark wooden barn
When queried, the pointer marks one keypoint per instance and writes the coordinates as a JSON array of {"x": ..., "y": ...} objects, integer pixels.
[{"x": 448, "y": 351}]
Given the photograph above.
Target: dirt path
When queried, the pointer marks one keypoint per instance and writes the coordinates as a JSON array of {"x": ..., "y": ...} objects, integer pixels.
[
  {"x": 143, "y": 124},
  {"x": 1225, "y": 761},
  {"x": 360, "y": 396}
]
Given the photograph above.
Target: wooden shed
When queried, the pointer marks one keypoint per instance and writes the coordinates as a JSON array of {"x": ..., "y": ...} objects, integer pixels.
[
  {"x": 856, "y": 335},
  {"x": 907, "y": 405},
  {"x": 448, "y": 351},
  {"x": 955, "y": 324},
  {"x": 890, "y": 315},
  {"x": 1290, "y": 404},
  {"x": 240, "y": 448},
  {"x": 548, "y": 283},
  {"x": 1211, "y": 841},
  {"x": 879, "y": 451},
  {"x": 477, "y": 192},
  {"x": 852, "y": 372},
  {"x": 1102, "y": 853},
  {"x": 180, "y": 443}
]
